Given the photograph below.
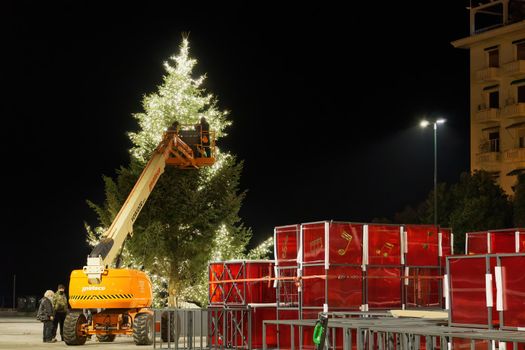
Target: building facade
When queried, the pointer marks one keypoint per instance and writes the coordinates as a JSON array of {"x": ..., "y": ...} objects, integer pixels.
[{"x": 497, "y": 89}]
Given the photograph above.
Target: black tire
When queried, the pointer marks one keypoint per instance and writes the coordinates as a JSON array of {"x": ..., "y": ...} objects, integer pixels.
[
  {"x": 164, "y": 326},
  {"x": 72, "y": 328},
  {"x": 143, "y": 329},
  {"x": 106, "y": 338}
]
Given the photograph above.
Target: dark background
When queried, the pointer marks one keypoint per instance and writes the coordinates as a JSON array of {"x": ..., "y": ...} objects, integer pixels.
[{"x": 325, "y": 102}]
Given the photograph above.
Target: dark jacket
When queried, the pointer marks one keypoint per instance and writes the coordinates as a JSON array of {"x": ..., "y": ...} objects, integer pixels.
[{"x": 45, "y": 310}]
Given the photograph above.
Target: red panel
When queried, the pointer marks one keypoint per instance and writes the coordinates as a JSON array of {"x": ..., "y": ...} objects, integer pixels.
[
  {"x": 313, "y": 288},
  {"x": 477, "y": 243},
  {"x": 286, "y": 245},
  {"x": 467, "y": 290},
  {"x": 216, "y": 290},
  {"x": 262, "y": 291},
  {"x": 314, "y": 243},
  {"x": 346, "y": 243},
  {"x": 423, "y": 287},
  {"x": 345, "y": 287},
  {"x": 503, "y": 241},
  {"x": 259, "y": 314},
  {"x": 384, "y": 245},
  {"x": 284, "y": 334},
  {"x": 446, "y": 242},
  {"x": 383, "y": 287},
  {"x": 422, "y": 245},
  {"x": 522, "y": 241},
  {"x": 513, "y": 290}
]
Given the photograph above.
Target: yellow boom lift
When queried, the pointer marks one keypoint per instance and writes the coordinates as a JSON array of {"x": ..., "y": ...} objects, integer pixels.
[{"x": 119, "y": 300}]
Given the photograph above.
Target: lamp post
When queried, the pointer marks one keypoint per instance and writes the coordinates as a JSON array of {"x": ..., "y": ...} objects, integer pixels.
[{"x": 424, "y": 123}]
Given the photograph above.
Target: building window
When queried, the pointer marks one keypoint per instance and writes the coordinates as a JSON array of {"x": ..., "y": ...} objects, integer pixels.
[
  {"x": 494, "y": 99},
  {"x": 493, "y": 57},
  {"x": 494, "y": 141},
  {"x": 521, "y": 94},
  {"x": 520, "y": 51},
  {"x": 521, "y": 138}
]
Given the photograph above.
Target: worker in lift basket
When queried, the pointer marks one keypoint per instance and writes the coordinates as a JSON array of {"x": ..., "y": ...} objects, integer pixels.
[{"x": 46, "y": 314}]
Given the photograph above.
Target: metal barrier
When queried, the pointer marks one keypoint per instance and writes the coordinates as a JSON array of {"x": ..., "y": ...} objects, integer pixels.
[
  {"x": 189, "y": 329},
  {"x": 211, "y": 328},
  {"x": 388, "y": 333}
]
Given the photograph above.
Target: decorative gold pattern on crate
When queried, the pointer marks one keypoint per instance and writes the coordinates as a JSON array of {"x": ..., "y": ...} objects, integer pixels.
[{"x": 101, "y": 297}]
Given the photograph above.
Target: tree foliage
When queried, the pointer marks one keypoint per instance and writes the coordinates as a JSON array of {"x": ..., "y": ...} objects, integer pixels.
[
  {"x": 478, "y": 204},
  {"x": 475, "y": 203},
  {"x": 191, "y": 215}
]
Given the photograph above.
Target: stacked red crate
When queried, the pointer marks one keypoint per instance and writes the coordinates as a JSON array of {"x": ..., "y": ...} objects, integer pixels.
[
  {"x": 241, "y": 291},
  {"x": 241, "y": 282},
  {"x": 510, "y": 240},
  {"x": 331, "y": 266},
  {"x": 384, "y": 260}
]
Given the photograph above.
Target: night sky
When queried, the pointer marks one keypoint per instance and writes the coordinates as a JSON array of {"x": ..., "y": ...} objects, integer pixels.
[{"x": 325, "y": 102}]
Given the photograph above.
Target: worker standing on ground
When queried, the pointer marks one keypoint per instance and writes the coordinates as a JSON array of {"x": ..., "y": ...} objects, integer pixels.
[
  {"x": 60, "y": 307},
  {"x": 46, "y": 314}
]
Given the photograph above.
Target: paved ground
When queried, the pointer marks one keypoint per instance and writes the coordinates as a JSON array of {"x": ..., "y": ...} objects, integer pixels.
[{"x": 26, "y": 333}]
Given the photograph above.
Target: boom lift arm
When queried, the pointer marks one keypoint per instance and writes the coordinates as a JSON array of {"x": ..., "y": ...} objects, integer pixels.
[{"x": 172, "y": 150}]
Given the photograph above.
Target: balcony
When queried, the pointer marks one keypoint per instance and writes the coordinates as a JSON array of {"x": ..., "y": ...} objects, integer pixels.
[
  {"x": 487, "y": 115},
  {"x": 515, "y": 110},
  {"x": 487, "y": 74},
  {"x": 514, "y": 68},
  {"x": 488, "y": 158},
  {"x": 514, "y": 155}
]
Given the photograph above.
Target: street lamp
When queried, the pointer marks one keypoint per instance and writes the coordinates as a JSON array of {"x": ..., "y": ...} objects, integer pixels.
[{"x": 424, "y": 123}]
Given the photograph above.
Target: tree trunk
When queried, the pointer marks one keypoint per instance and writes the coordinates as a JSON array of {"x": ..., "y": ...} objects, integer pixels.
[{"x": 173, "y": 287}]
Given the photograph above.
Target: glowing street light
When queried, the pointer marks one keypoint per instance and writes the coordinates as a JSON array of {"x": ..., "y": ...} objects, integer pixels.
[{"x": 424, "y": 123}]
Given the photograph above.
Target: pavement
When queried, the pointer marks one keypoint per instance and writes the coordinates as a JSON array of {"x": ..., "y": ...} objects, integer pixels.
[{"x": 26, "y": 333}]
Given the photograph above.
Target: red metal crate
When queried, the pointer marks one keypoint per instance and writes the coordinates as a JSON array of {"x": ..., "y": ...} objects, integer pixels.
[
  {"x": 510, "y": 240},
  {"x": 286, "y": 239},
  {"x": 422, "y": 245},
  {"x": 472, "y": 290},
  {"x": 512, "y": 288},
  {"x": 252, "y": 287},
  {"x": 383, "y": 287},
  {"x": 476, "y": 243},
  {"x": 384, "y": 244},
  {"x": 422, "y": 287}
]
